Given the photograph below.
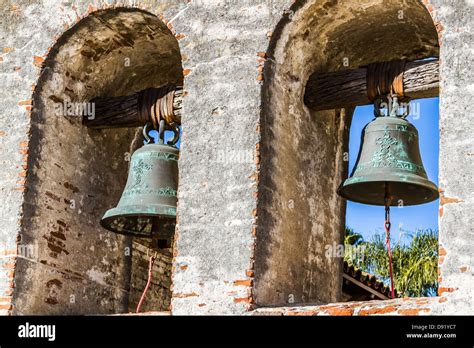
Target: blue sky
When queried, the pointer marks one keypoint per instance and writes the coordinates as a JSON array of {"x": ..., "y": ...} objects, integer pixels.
[{"x": 368, "y": 220}]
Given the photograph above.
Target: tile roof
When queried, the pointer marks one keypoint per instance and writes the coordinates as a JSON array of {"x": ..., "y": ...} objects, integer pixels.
[{"x": 367, "y": 281}]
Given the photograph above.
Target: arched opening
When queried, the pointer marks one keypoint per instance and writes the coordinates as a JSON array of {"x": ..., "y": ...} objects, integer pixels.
[
  {"x": 302, "y": 150},
  {"x": 76, "y": 174},
  {"x": 414, "y": 231}
]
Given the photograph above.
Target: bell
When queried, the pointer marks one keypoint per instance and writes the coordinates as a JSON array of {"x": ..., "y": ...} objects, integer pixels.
[
  {"x": 389, "y": 165},
  {"x": 147, "y": 207}
]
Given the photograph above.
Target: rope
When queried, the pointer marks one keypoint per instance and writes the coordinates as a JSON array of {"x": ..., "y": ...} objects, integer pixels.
[
  {"x": 150, "y": 269},
  {"x": 156, "y": 104},
  {"x": 385, "y": 78},
  {"x": 388, "y": 224}
]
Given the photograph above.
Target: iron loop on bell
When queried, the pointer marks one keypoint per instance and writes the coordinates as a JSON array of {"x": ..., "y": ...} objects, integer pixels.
[
  {"x": 161, "y": 133},
  {"x": 392, "y": 105},
  {"x": 145, "y": 133},
  {"x": 175, "y": 129}
]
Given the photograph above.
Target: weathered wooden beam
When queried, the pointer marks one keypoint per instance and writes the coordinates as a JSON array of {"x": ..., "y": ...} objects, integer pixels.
[
  {"x": 348, "y": 88},
  {"x": 120, "y": 112}
]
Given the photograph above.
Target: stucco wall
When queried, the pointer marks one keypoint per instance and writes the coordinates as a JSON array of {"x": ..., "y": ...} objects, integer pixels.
[{"x": 223, "y": 45}]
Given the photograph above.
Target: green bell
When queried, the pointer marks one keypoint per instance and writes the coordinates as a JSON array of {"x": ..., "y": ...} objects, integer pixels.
[
  {"x": 147, "y": 207},
  {"x": 389, "y": 164}
]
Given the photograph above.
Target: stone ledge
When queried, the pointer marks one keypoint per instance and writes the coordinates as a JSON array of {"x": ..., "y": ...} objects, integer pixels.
[
  {"x": 153, "y": 313},
  {"x": 400, "y": 306}
]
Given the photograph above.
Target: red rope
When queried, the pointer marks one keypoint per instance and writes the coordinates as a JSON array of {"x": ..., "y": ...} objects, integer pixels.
[
  {"x": 150, "y": 269},
  {"x": 387, "y": 232}
]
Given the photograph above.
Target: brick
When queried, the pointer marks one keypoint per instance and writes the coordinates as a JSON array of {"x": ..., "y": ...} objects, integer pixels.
[
  {"x": 447, "y": 200},
  {"x": 254, "y": 231},
  {"x": 340, "y": 311},
  {"x": 8, "y": 252},
  {"x": 185, "y": 295},
  {"x": 38, "y": 61},
  {"x": 242, "y": 299},
  {"x": 381, "y": 310},
  {"x": 421, "y": 301},
  {"x": 8, "y": 266},
  {"x": 243, "y": 282},
  {"x": 6, "y": 306},
  {"x": 412, "y": 311},
  {"x": 301, "y": 313},
  {"x": 442, "y": 290}
]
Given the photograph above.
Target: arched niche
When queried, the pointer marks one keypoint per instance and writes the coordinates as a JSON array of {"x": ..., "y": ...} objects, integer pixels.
[
  {"x": 302, "y": 151},
  {"x": 74, "y": 173}
]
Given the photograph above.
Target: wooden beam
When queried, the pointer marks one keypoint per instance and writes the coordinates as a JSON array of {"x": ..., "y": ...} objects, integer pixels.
[
  {"x": 120, "y": 112},
  {"x": 365, "y": 287},
  {"x": 348, "y": 88}
]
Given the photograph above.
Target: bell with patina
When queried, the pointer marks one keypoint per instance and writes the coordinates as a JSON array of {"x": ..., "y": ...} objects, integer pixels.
[
  {"x": 389, "y": 163},
  {"x": 147, "y": 207}
]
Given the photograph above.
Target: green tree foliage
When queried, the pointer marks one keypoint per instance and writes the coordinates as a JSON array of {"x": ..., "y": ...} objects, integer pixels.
[{"x": 415, "y": 264}]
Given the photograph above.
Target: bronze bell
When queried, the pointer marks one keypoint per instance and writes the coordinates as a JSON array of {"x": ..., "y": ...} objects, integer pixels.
[
  {"x": 147, "y": 207},
  {"x": 389, "y": 164}
]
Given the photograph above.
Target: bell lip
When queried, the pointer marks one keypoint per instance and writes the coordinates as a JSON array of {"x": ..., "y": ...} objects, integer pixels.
[
  {"x": 161, "y": 211},
  {"x": 427, "y": 184},
  {"x": 150, "y": 146}
]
